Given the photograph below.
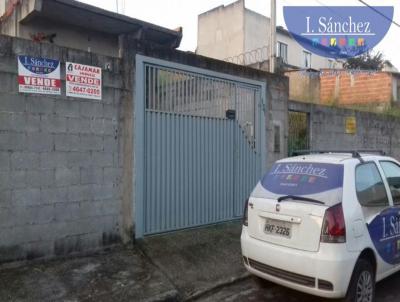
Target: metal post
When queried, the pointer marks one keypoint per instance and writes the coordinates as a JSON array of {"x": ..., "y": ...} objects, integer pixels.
[{"x": 272, "y": 38}]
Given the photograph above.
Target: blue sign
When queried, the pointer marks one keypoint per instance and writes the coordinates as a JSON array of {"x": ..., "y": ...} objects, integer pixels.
[
  {"x": 338, "y": 31},
  {"x": 39, "y": 65},
  {"x": 39, "y": 75},
  {"x": 384, "y": 230},
  {"x": 300, "y": 178}
]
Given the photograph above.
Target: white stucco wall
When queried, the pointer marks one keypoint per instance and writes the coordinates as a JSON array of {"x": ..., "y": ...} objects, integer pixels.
[
  {"x": 256, "y": 31},
  {"x": 221, "y": 31}
]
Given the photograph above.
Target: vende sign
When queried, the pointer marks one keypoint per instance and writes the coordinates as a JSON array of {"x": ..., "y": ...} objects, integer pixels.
[
  {"x": 83, "y": 81},
  {"x": 38, "y": 75}
]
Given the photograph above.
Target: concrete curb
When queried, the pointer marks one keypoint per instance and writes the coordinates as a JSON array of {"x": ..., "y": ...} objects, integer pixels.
[
  {"x": 198, "y": 261},
  {"x": 170, "y": 296},
  {"x": 217, "y": 286}
]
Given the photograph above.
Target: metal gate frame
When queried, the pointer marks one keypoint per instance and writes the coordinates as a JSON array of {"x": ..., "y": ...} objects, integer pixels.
[
  {"x": 138, "y": 180},
  {"x": 306, "y": 143}
]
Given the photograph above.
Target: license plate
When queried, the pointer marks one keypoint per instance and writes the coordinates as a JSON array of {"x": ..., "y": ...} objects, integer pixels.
[{"x": 278, "y": 228}]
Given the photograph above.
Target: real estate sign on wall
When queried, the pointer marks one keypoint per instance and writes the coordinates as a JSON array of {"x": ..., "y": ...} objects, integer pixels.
[
  {"x": 83, "y": 81},
  {"x": 39, "y": 75},
  {"x": 350, "y": 125}
]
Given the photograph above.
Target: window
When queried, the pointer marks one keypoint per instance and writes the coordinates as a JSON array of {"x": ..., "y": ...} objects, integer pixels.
[
  {"x": 331, "y": 63},
  {"x": 321, "y": 180},
  {"x": 371, "y": 191},
  {"x": 392, "y": 174},
  {"x": 282, "y": 51},
  {"x": 306, "y": 59}
]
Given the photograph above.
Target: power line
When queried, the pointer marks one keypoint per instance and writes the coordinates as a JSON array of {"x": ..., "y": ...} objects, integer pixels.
[
  {"x": 366, "y": 4},
  {"x": 329, "y": 8},
  {"x": 378, "y": 12}
]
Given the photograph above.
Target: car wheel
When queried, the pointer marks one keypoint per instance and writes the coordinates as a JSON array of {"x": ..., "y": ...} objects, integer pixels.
[{"x": 362, "y": 283}]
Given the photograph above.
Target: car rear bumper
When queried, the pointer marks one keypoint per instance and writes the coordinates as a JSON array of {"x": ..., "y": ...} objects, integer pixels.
[{"x": 325, "y": 273}]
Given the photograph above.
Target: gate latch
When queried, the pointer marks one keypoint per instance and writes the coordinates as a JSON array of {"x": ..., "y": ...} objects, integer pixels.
[{"x": 230, "y": 114}]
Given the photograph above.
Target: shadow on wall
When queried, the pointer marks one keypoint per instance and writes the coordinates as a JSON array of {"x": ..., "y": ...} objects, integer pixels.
[{"x": 304, "y": 86}]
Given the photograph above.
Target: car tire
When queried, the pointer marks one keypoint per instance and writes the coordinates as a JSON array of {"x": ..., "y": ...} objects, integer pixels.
[{"x": 362, "y": 283}]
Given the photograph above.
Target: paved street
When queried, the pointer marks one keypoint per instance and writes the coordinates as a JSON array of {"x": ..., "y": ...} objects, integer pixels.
[
  {"x": 173, "y": 267},
  {"x": 248, "y": 290},
  {"x": 115, "y": 275},
  {"x": 200, "y": 265}
]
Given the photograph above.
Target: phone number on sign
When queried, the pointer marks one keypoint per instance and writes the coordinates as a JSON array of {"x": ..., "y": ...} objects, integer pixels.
[{"x": 91, "y": 91}]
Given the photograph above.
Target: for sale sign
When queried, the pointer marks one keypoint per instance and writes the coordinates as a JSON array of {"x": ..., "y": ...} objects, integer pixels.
[
  {"x": 83, "y": 81},
  {"x": 38, "y": 75}
]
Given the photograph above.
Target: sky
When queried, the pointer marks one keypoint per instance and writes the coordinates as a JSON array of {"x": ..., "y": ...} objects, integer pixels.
[{"x": 175, "y": 13}]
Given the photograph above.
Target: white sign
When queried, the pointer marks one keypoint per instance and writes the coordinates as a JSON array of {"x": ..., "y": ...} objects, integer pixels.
[
  {"x": 38, "y": 75},
  {"x": 83, "y": 81}
]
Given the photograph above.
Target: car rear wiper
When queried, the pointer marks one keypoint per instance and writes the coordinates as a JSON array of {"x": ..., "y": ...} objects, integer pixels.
[{"x": 286, "y": 197}]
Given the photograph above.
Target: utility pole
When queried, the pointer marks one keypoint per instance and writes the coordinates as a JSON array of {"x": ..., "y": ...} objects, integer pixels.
[
  {"x": 272, "y": 37},
  {"x": 120, "y": 6}
]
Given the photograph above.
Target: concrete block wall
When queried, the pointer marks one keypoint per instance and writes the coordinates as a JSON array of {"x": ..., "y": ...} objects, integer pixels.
[
  {"x": 277, "y": 118},
  {"x": 60, "y": 160},
  {"x": 304, "y": 86},
  {"x": 67, "y": 164},
  {"x": 327, "y": 129}
]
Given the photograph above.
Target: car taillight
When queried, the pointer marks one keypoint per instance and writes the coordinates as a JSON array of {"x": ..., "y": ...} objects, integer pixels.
[
  {"x": 245, "y": 213},
  {"x": 333, "y": 226}
]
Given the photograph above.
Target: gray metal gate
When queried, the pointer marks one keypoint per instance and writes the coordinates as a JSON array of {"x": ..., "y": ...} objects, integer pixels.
[{"x": 198, "y": 145}]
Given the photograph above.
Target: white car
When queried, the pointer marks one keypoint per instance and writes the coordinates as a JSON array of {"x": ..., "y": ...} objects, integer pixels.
[{"x": 326, "y": 224}]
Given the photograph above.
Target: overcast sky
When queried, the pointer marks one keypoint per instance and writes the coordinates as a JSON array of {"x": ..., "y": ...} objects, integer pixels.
[{"x": 175, "y": 13}]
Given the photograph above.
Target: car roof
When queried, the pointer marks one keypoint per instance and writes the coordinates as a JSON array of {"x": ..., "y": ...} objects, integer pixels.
[{"x": 333, "y": 158}]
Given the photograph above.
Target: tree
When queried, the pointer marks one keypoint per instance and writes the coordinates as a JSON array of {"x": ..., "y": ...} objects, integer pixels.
[{"x": 366, "y": 61}]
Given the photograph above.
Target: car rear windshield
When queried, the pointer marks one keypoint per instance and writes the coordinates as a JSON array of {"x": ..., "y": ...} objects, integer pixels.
[{"x": 320, "y": 181}]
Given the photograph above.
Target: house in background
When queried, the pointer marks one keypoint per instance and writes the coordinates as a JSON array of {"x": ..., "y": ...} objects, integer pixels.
[
  {"x": 239, "y": 35},
  {"x": 73, "y": 24},
  {"x": 236, "y": 34},
  {"x": 388, "y": 66}
]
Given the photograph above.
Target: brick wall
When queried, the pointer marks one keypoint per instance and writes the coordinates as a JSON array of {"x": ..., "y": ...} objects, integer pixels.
[
  {"x": 60, "y": 164},
  {"x": 343, "y": 88}
]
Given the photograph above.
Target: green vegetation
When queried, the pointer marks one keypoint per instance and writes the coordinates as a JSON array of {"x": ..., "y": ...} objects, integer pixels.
[{"x": 367, "y": 61}]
